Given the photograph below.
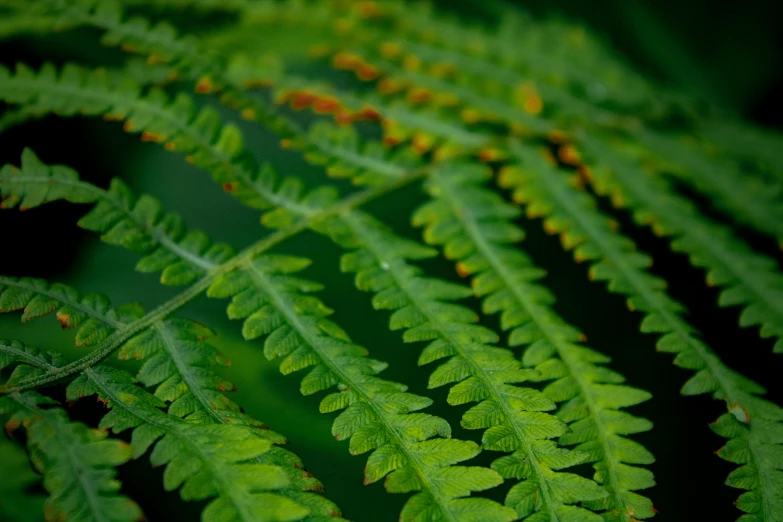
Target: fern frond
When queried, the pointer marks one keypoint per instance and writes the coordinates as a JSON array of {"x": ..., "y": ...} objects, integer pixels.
[
  {"x": 553, "y": 51},
  {"x": 747, "y": 198},
  {"x": 135, "y": 68},
  {"x": 752, "y": 424},
  {"x": 287, "y": 228},
  {"x": 400, "y": 120},
  {"x": 491, "y": 94},
  {"x": 513, "y": 416},
  {"x": 343, "y": 154},
  {"x": 378, "y": 415},
  {"x": 162, "y": 44},
  {"x": 440, "y": 481},
  {"x": 215, "y": 461},
  {"x": 17, "y": 502},
  {"x": 137, "y": 224},
  {"x": 28, "y": 362},
  {"x": 91, "y": 314},
  {"x": 475, "y": 227},
  {"x": 179, "y": 363},
  {"x": 746, "y": 143},
  {"x": 208, "y": 144},
  {"x": 15, "y": 23},
  {"x": 749, "y": 279},
  {"x": 176, "y": 360},
  {"x": 77, "y": 463}
]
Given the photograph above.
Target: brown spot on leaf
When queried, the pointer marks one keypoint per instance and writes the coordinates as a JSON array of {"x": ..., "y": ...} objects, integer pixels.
[
  {"x": 64, "y": 319},
  {"x": 740, "y": 412}
]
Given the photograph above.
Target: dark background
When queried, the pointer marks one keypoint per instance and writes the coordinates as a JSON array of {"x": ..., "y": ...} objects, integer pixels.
[{"x": 731, "y": 54}]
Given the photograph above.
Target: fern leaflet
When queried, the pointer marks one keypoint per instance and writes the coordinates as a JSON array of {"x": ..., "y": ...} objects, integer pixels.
[
  {"x": 16, "y": 501},
  {"x": 378, "y": 415},
  {"x": 749, "y": 279},
  {"x": 77, "y": 463},
  {"x": 752, "y": 424},
  {"x": 513, "y": 416},
  {"x": 475, "y": 227}
]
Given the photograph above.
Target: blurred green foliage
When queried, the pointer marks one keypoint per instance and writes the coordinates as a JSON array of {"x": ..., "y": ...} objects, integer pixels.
[{"x": 729, "y": 54}]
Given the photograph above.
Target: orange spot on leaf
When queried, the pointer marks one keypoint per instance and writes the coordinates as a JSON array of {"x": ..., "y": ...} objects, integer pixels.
[
  {"x": 489, "y": 154},
  {"x": 569, "y": 155},
  {"x": 390, "y": 86},
  {"x": 370, "y": 113},
  {"x": 151, "y": 136},
  {"x": 302, "y": 100},
  {"x": 367, "y": 72},
  {"x": 419, "y": 95},
  {"x": 205, "y": 85},
  {"x": 346, "y": 61},
  {"x": 326, "y": 105}
]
